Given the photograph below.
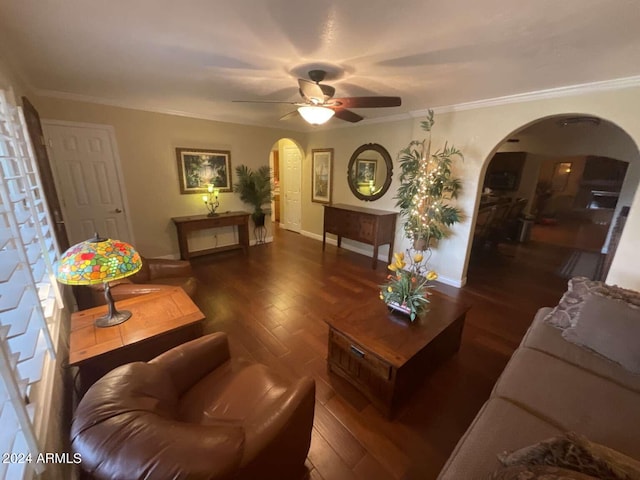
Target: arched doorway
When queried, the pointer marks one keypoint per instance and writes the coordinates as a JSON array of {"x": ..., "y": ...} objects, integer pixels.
[
  {"x": 285, "y": 160},
  {"x": 577, "y": 175}
]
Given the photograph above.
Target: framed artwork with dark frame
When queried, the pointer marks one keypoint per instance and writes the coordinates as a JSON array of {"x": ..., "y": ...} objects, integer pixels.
[
  {"x": 321, "y": 175},
  {"x": 366, "y": 171},
  {"x": 198, "y": 168}
]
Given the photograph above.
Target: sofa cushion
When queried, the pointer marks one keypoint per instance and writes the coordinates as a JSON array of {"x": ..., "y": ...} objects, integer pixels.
[
  {"x": 573, "y": 399},
  {"x": 499, "y": 426},
  {"x": 565, "y": 313},
  {"x": 611, "y": 328},
  {"x": 548, "y": 339},
  {"x": 538, "y": 472},
  {"x": 574, "y": 452}
]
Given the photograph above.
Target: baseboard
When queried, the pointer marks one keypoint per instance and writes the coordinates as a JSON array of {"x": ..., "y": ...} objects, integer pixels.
[
  {"x": 176, "y": 256},
  {"x": 346, "y": 246},
  {"x": 332, "y": 241}
]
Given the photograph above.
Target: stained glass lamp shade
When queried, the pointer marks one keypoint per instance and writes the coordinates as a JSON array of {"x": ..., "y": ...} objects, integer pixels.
[{"x": 100, "y": 260}]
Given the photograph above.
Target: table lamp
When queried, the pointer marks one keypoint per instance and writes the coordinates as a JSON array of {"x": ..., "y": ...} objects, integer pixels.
[{"x": 100, "y": 260}]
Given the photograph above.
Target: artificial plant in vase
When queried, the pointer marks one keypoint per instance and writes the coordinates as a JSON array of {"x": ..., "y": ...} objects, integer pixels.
[
  {"x": 407, "y": 287},
  {"x": 255, "y": 189},
  {"x": 426, "y": 188}
]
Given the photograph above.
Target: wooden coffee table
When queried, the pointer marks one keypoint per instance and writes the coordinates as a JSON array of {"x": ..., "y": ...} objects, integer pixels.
[
  {"x": 384, "y": 355},
  {"x": 159, "y": 322}
]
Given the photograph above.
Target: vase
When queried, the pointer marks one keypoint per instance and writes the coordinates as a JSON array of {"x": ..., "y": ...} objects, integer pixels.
[{"x": 420, "y": 244}]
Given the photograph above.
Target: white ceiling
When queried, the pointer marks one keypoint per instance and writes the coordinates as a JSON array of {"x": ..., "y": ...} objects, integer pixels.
[{"x": 193, "y": 57}]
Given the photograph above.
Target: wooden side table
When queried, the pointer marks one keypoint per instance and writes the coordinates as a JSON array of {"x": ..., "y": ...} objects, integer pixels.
[
  {"x": 186, "y": 225},
  {"x": 159, "y": 321}
]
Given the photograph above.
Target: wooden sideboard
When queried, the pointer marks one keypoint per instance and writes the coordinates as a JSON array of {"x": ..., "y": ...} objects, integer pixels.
[
  {"x": 366, "y": 225},
  {"x": 185, "y": 225}
]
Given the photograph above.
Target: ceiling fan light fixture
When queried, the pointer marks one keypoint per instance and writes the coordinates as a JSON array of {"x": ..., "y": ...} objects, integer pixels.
[{"x": 316, "y": 115}]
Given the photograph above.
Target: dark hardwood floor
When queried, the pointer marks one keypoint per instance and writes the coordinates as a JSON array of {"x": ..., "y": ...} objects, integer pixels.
[{"x": 272, "y": 304}]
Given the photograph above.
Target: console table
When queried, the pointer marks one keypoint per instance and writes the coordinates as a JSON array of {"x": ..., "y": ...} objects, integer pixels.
[
  {"x": 366, "y": 225},
  {"x": 185, "y": 225}
]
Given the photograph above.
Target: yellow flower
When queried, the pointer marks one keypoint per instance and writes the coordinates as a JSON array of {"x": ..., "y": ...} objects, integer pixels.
[
  {"x": 381, "y": 296},
  {"x": 389, "y": 289},
  {"x": 399, "y": 257},
  {"x": 392, "y": 267},
  {"x": 417, "y": 257},
  {"x": 431, "y": 275},
  {"x": 400, "y": 264}
]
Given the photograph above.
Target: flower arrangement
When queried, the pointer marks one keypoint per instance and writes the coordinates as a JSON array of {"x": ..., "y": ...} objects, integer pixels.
[{"x": 407, "y": 289}]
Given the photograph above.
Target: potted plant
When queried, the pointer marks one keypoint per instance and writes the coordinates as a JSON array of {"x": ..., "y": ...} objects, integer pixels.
[
  {"x": 426, "y": 187},
  {"x": 254, "y": 188}
]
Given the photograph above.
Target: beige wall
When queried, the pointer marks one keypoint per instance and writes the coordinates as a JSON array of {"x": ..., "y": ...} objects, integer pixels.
[
  {"x": 394, "y": 136},
  {"x": 147, "y": 143},
  {"x": 477, "y": 133}
]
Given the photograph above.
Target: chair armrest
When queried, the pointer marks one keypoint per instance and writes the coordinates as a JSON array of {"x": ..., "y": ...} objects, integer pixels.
[
  {"x": 128, "y": 290},
  {"x": 142, "y": 445},
  {"x": 191, "y": 361},
  {"x": 273, "y": 426},
  {"x": 162, "y": 268}
]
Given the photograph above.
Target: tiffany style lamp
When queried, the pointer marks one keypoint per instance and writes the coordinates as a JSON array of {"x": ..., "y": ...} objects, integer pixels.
[{"x": 100, "y": 260}]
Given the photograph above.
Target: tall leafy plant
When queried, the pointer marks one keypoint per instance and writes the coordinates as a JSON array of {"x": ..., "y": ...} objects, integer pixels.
[
  {"x": 254, "y": 188},
  {"x": 426, "y": 188}
]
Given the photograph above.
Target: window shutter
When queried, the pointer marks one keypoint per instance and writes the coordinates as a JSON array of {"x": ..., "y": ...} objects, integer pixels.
[{"x": 28, "y": 290}]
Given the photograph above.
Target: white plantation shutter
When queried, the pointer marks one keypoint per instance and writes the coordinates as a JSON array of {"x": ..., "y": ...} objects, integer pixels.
[{"x": 29, "y": 296}]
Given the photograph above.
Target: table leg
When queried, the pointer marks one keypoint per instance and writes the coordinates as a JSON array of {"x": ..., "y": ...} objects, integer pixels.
[{"x": 183, "y": 244}]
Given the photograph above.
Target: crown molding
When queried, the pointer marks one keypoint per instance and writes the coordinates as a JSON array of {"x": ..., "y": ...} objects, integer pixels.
[
  {"x": 572, "y": 90},
  {"x": 136, "y": 106}
]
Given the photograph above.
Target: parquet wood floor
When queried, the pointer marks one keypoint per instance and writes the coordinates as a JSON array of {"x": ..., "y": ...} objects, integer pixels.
[{"x": 272, "y": 304}]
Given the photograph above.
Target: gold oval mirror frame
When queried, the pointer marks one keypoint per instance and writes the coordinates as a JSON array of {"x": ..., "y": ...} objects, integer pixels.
[{"x": 369, "y": 172}]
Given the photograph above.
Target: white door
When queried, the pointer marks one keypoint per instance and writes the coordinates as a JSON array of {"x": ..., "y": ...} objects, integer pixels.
[
  {"x": 86, "y": 173},
  {"x": 292, "y": 187}
]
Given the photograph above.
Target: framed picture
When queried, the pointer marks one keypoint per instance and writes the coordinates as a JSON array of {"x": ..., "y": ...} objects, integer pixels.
[
  {"x": 198, "y": 168},
  {"x": 321, "y": 175},
  {"x": 366, "y": 171}
]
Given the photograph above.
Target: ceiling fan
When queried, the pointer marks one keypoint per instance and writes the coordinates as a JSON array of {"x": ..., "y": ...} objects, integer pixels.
[{"x": 318, "y": 105}]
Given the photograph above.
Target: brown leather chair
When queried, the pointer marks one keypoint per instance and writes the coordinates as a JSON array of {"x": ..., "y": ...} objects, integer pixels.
[
  {"x": 155, "y": 275},
  {"x": 193, "y": 412}
]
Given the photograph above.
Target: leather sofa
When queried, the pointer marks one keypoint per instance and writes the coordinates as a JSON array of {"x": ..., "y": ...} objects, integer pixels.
[
  {"x": 194, "y": 412},
  {"x": 155, "y": 275}
]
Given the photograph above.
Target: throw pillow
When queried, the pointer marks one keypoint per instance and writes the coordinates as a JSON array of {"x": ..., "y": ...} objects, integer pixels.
[
  {"x": 610, "y": 328},
  {"x": 575, "y": 452},
  {"x": 565, "y": 313},
  {"x": 538, "y": 472}
]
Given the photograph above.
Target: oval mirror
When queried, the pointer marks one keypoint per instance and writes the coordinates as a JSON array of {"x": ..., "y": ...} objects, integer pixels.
[{"x": 369, "y": 172}]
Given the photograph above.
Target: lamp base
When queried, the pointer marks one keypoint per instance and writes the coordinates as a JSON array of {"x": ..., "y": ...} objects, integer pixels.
[
  {"x": 212, "y": 214},
  {"x": 112, "y": 319}
]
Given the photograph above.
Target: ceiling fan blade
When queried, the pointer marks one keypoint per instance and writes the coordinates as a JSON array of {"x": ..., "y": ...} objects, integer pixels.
[
  {"x": 263, "y": 101},
  {"x": 290, "y": 115},
  {"x": 311, "y": 91},
  {"x": 369, "y": 102},
  {"x": 348, "y": 115}
]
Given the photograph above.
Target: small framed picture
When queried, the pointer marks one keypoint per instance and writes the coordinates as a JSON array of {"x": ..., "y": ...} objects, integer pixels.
[
  {"x": 198, "y": 168},
  {"x": 321, "y": 175},
  {"x": 366, "y": 171}
]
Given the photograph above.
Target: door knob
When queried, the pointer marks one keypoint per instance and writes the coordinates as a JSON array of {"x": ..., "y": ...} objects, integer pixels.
[{"x": 117, "y": 210}]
